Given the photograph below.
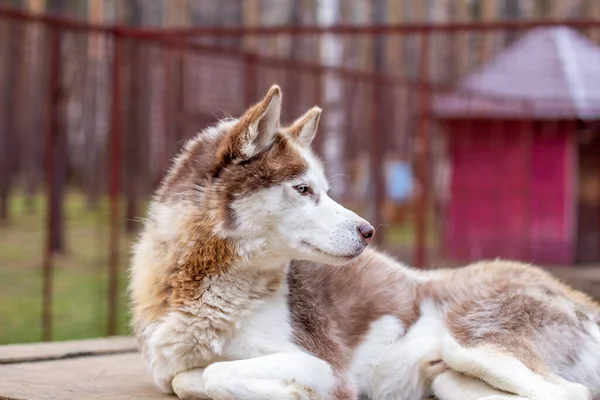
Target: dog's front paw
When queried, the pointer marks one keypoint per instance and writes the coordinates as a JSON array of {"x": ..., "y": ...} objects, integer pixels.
[{"x": 189, "y": 385}]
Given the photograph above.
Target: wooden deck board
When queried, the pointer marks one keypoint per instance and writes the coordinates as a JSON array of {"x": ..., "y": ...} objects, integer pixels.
[
  {"x": 59, "y": 350},
  {"x": 76, "y": 370}
]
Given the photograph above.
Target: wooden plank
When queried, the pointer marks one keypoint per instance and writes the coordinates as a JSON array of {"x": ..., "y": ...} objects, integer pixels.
[
  {"x": 24, "y": 353},
  {"x": 122, "y": 376},
  {"x": 115, "y": 377}
]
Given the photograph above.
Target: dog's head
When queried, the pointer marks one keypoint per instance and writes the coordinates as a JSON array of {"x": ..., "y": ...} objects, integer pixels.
[{"x": 259, "y": 186}]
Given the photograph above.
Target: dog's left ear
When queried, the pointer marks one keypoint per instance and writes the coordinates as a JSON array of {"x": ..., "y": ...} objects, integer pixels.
[{"x": 305, "y": 127}]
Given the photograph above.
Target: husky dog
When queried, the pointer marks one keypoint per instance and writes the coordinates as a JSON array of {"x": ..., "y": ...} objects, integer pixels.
[{"x": 221, "y": 310}]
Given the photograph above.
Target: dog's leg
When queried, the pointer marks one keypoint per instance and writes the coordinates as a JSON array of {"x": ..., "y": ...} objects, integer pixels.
[
  {"x": 189, "y": 385},
  {"x": 282, "y": 376},
  {"x": 452, "y": 385},
  {"x": 506, "y": 372}
]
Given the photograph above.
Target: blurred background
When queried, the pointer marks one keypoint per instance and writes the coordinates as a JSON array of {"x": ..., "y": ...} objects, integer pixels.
[{"x": 462, "y": 129}]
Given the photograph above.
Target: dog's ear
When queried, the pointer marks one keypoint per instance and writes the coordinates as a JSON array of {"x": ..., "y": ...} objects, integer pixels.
[
  {"x": 303, "y": 130},
  {"x": 257, "y": 127}
]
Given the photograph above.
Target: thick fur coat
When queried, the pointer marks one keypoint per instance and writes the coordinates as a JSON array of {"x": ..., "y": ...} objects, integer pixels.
[{"x": 221, "y": 310}]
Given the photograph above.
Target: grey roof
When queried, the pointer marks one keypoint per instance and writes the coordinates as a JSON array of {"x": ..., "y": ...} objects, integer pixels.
[{"x": 549, "y": 73}]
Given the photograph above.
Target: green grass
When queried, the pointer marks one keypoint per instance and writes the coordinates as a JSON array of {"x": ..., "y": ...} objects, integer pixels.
[
  {"x": 79, "y": 276},
  {"x": 402, "y": 236}
]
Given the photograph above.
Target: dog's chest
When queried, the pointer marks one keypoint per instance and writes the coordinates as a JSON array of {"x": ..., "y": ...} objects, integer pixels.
[{"x": 265, "y": 330}]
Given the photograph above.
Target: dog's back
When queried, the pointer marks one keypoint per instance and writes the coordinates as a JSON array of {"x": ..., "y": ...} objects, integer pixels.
[{"x": 386, "y": 323}]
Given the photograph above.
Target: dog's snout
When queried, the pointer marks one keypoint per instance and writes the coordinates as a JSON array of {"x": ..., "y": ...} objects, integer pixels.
[{"x": 366, "y": 231}]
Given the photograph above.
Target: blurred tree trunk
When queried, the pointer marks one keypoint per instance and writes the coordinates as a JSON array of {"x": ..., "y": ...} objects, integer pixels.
[
  {"x": 13, "y": 91},
  {"x": 461, "y": 39},
  {"x": 511, "y": 10},
  {"x": 441, "y": 44},
  {"x": 331, "y": 54},
  {"x": 395, "y": 42},
  {"x": 542, "y": 8},
  {"x": 592, "y": 10},
  {"x": 357, "y": 55},
  {"x": 419, "y": 14},
  {"x": 132, "y": 146},
  {"x": 94, "y": 99},
  {"x": 489, "y": 13},
  {"x": 136, "y": 113},
  {"x": 292, "y": 77},
  {"x": 230, "y": 13},
  {"x": 420, "y": 11},
  {"x": 8, "y": 37},
  {"x": 379, "y": 120},
  {"x": 251, "y": 18},
  {"x": 31, "y": 106},
  {"x": 59, "y": 180},
  {"x": 11, "y": 3},
  {"x": 251, "y": 43}
]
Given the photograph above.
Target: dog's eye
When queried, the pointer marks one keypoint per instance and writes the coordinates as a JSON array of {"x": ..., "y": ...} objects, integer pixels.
[{"x": 302, "y": 188}]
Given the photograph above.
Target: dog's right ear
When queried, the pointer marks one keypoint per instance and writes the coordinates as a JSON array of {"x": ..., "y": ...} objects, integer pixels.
[
  {"x": 304, "y": 128},
  {"x": 255, "y": 129}
]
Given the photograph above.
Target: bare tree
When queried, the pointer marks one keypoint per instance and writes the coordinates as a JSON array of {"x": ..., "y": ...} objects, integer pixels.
[
  {"x": 543, "y": 8},
  {"x": 58, "y": 125},
  {"x": 95, "y": 109},
  {"x": 489, "y": 13},
  {"x": 331, "y": 52},
  {"x": 137, "y": 103},
  {"x": 14, "y": 91},
  {"x": 292, "y": 81},
  {"x": 592, "y": 10},
  {"x": 378, "y": 120},
  {"x": 32, "y": 109},
  {"x": 251, "y": 18},
  {"x": 512, "y": 10},
  {"x": 461, "y": 13},
  {"x": 10, "y": 40}
]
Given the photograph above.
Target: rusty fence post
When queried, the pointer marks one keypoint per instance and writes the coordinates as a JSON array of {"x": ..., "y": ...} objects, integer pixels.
[
  {"x": 115, "y": 188},
  {"x": 52, "y": 132},
  {"x": 422, "y": 157}
]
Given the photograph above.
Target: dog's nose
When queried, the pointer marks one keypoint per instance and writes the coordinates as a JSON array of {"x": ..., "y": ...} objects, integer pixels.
[{"x": 366, "y": 231}]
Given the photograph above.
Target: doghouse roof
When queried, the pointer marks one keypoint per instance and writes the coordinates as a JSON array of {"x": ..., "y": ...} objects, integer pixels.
[{"x": 549, "y": 73}]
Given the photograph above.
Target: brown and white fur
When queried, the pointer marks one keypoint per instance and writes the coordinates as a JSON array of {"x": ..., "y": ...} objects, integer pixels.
[
  {"x": 221, "y": 311},
  {"x": 208, "y": 275},
  {"x": 403, "y": 333}
]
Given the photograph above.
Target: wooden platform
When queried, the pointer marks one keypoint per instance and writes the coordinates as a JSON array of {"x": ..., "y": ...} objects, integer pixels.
[
  {"x": 88, "y": 369},
  {"x": 91, "y": 369}
]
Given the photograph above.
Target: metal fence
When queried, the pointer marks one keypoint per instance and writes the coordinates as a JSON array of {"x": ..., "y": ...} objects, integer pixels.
[{"x": 459, "y": 142}]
